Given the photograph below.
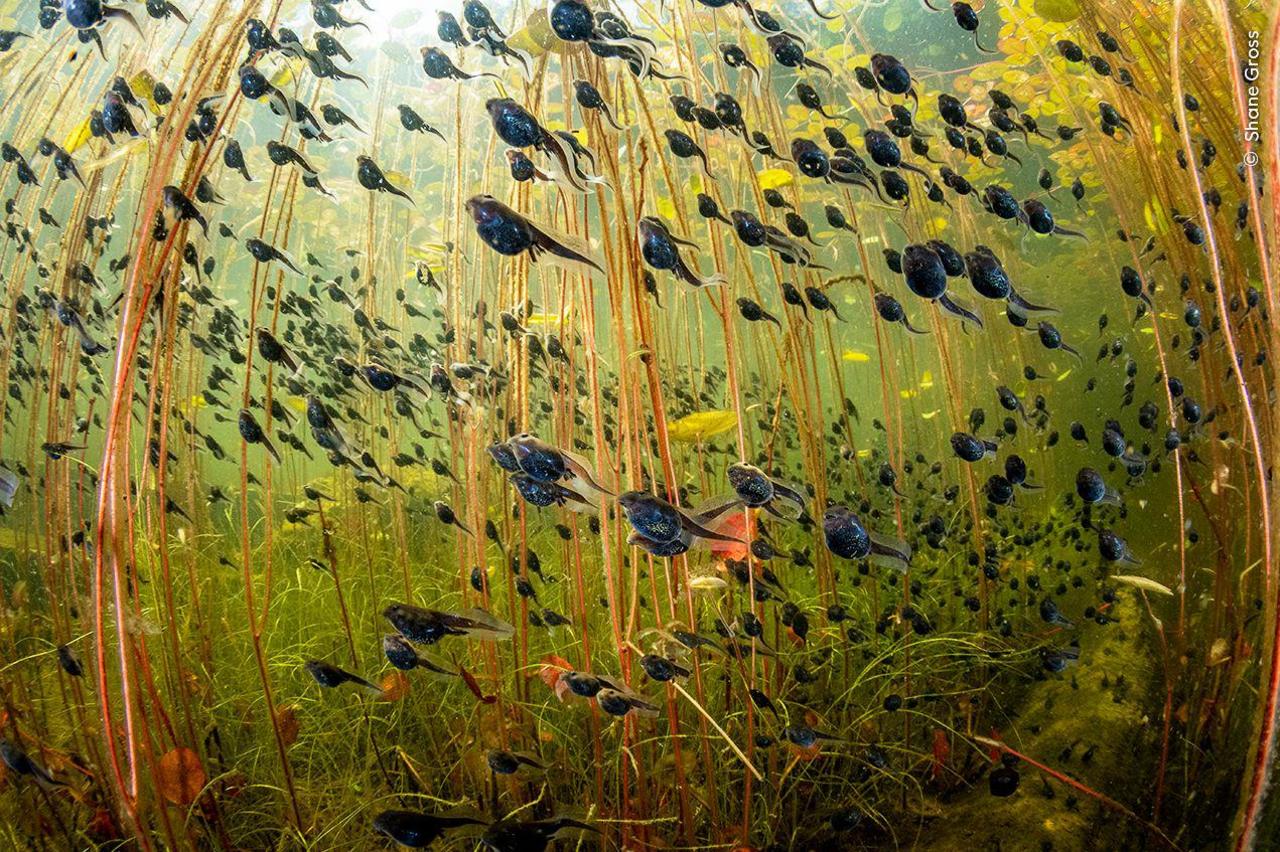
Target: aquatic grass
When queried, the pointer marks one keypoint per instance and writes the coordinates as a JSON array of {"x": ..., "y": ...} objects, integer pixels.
[{"x": 245, "y": 631}]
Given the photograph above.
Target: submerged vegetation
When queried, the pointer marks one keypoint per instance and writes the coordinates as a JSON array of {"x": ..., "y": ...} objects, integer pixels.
[{"x": 688, "y": 424}]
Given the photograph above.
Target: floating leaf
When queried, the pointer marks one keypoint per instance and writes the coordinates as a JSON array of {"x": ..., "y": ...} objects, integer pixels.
[
  {"x": 287, "y": 73},
  {"x": 180, "y": 777},
  {"x": 1058, "y": 11},
  {"x": 701, "y": 425},
  {"x": 77, "y": 137},
  {"x": 397, "y": 52},
  {"x": 399, "y": 180},
  {"x": 535, "y": 37},
  {"x": 774, "y": 178},
  {"x": 1144, "y": 583},
  {"x": 144, "y": 85},
  {"x": 405, "y": 18}
]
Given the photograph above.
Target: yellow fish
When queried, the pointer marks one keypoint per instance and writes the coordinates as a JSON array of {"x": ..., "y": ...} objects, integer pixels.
[{"x": 856, "y": 356}]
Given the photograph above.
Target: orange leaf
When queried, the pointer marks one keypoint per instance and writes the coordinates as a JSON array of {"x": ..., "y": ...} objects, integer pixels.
[
  {"x": 736, "y": 526},
  {"x": 941, "y": 751},
  {"x": 180, "y": 776},
  {"x": 472, "y": 685},
  {"x": 102, "y": 826},
  {"x": 551, "y": 671},
  {"x": 394, "y": 686},
  {"x": 287, "y": 721}
]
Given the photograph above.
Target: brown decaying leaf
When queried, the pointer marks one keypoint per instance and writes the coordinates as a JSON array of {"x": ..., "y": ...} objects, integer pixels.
[
  {"x": 475, "y": 687},
  {"x": 394, "y": 686},
  {"x": 180, "y": 776},
  {"x": 287, "y": 721}
]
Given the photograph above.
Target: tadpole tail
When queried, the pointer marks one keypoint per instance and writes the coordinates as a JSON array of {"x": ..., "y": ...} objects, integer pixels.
[{"x": 951, "y": 307}]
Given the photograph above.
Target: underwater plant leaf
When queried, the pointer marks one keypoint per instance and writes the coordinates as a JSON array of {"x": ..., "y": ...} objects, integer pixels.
[
  {"x": 1144, "y": 583},
  {"x": 552, "y": 671},
  {"x": 180, "y": 776},
  {"x": 701, "y": 425},
  {"x": 474, "y": 686},
  {"x": 395, "y": 686},
  {"x": 734, "y": 525},
  {"x": 288, "y": 723},
  {"x": 707, "y": 582}
]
